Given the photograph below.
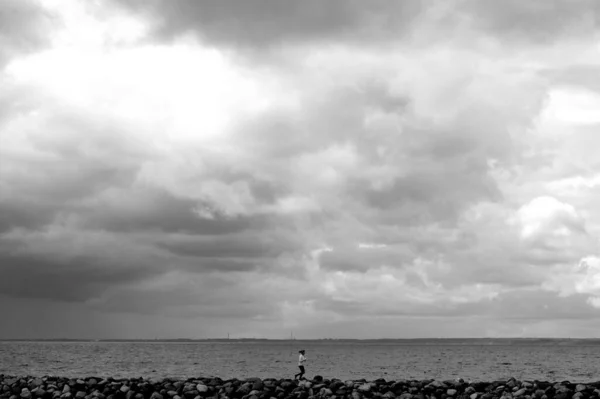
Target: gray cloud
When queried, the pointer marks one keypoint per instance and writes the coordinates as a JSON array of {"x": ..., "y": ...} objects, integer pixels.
[
  {"x": 152, "y": 188},
  {"x": 74, "y": 279},
  {"x": 536, "y": 20},
  {"x": 270, "y": 23},
  {"x": 261, "y": 24},
  {"x": 24, "y": 28}
]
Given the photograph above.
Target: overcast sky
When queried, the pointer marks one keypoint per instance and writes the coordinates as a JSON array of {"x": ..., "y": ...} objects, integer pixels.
[{"x": 350, "y": 169}]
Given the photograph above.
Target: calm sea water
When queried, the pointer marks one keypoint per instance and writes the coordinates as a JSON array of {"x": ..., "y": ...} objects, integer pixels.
[{"x": 552, "y": 362}]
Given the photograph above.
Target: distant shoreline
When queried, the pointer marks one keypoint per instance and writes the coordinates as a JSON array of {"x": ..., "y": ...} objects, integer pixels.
[{"x": 399, "y": 341}]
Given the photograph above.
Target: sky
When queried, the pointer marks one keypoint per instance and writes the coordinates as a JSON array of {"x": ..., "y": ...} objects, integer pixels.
[{"x": 327, "y": 169}]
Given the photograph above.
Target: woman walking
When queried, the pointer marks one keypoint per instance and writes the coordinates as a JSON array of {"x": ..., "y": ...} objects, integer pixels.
[{"x": 301, "y": 361}]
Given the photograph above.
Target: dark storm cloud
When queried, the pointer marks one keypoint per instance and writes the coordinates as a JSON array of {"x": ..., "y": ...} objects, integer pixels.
[
  {"x": 152, "y": 209},
  {"x": 73, "y": 279},
  {"x": 271, "y": 23},
  {"x": 180, "y": 294},
  {"x": 28, "y": 214}
]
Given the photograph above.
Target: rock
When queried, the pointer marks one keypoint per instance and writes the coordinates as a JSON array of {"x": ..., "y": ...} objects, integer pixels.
[
  {"x": 25, "y": 393},
  {"x": 451, "y": 392},
  {"x": 66, "y": 388},
  {"x": 580, "y": 388},
  {"x": 474, "y": 395},
  {"x": 201, "y": 388},
  {"x": 156, "y": 395},
  {"x": 179, "y": 385},
  {"x": 365, "y": 387},
  {"x": 520, "y": 392}
]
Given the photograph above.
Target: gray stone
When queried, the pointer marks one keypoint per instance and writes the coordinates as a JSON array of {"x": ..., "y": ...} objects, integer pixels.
[
  {"x": 202, "y": 388},
  {"x": 521, "y": 392},
  {"x": 365, "y": 387},
  {"x": 451, "y": 392}
]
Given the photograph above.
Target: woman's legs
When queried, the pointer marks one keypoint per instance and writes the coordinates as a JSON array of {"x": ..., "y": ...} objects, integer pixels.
[{"x": 301, "y": 373}]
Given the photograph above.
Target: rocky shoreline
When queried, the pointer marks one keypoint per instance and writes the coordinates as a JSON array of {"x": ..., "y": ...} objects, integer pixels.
[{"x": 12, "y": 387}]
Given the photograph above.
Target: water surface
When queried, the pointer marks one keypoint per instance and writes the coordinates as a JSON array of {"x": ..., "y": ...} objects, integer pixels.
[{"x": 345, "y": 360}]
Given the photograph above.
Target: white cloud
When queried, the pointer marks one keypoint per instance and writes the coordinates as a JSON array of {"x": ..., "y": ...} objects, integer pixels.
[
  {"x": 547, "y": 215},
  {"x": 569, "y": 105}
]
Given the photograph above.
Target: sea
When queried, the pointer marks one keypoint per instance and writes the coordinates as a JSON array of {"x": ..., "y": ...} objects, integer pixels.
[{"x": 471, "y": 360}]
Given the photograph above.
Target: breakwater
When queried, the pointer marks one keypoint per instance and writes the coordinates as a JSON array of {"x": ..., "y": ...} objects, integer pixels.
[{"x": 49, "y": 387}]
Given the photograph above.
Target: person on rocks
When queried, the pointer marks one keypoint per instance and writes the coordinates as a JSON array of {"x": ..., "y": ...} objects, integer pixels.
[{"x": 301, "y": 361}]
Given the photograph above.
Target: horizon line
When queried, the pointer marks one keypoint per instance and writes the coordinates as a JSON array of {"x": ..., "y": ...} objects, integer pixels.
[{"x": 294, "y": 339}]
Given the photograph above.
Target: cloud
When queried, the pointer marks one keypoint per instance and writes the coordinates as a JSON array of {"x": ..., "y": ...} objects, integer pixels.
[
  {"x": 535, "y": 21},
  {"x": 439, "y": 173},
  {"x": 23, "y": 28},
  {"x": 273, "y": 23}
]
